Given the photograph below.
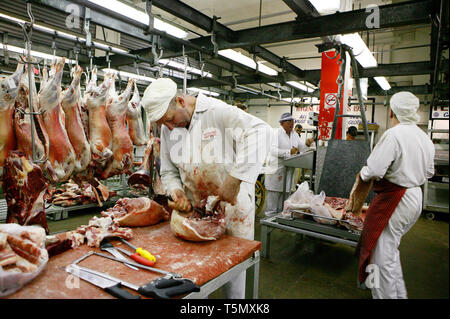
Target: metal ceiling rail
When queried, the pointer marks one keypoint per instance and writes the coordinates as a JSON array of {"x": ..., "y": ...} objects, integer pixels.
[
  {"x": 103, "y": 16},
  {"x": 391, "y": 15}
]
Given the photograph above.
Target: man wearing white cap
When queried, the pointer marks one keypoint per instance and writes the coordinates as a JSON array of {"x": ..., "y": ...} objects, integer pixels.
[
  {"x": 209, "y": 148},
  {"x": 286, "y": 143},
  {"x": 399, "y": 164}
]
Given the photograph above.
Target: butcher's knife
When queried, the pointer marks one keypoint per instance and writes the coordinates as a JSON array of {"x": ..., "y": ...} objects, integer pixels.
[
  {"x": 107, "y": 246},
  {"x": 110, "y": 286},
  {"x": 164, "y": 288}
]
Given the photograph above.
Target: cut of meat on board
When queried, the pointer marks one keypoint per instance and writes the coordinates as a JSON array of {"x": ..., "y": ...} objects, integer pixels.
[
  {"x": 352, "y": 221},
  {"x": 134, "y": 119},
  {"x": 97, "y": 230},
  {"x": 122, "y": 146},
  {"x": 140, "y": 212},
  {"x": 61, "y": 153},
  {"x": 70, "y": 103},
  {"x": 25, "y": 191},
  {"x": 206, "y": 222},
  {"x": 9, "y": 87}
]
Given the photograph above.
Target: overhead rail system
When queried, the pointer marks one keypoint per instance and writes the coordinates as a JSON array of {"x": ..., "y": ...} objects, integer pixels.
[{"x": 150, "y": 47}]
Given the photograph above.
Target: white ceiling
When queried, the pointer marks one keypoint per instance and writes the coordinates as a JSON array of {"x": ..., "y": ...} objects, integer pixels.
[{"x": 243, "y": 14}]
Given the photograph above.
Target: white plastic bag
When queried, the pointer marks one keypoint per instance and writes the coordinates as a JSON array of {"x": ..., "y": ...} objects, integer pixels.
[
  {"x": 300, "y": 199},
  {"x": 319, "y": 209},
  {"x": 10, "y": 282}
]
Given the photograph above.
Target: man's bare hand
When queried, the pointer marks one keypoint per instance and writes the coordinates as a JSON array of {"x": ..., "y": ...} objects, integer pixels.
[
  {"x": 180, "y": 201},
  {"x": 230, "y": 189},
  {"x": 294, "y": 150}
]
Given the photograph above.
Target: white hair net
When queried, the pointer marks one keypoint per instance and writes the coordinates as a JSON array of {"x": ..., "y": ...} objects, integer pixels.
[{"x": 405, "y": 106}]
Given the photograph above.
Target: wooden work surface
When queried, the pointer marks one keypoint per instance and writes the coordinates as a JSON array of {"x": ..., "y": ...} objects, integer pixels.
[{"x": 199, "y": 262}]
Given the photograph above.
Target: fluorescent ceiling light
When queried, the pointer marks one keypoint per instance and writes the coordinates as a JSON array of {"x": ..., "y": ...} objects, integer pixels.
[
  {"x": 294, "y": 100},
  {"x": 180, "y": 66},
  {"x": 300, "y": 86},
  {"x": 64, "y": 34},
  {"x": 203, "y": 91},
  {"x": 140, "y": 16},
  {"x": 37, "y": 54},
  {"x": 129, "y": 75},
  {"x": 360, "y": 49},
  {"x": 240, "y": 58},
  {"x": 326, "y": 6},
  {"x": 382, "y": 82}
]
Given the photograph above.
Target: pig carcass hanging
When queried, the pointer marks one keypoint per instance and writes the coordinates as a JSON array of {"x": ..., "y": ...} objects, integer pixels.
[
  {"x": 70, "y": 103},
  {"x": 134, "y": 119},
  {"x": 122, "y": 146},
  {"x": 61, "y": 153}
]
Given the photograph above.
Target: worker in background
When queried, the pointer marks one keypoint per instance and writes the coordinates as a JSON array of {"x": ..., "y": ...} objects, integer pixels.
[
  {"x": 399, "y": 164},
  {"x": 286, "y": 143},
  {"x": 242, "y": 106},
  {"x": 299, "y": 130},
  {"x": 352, "y": 133},
  {"x": 205, "y": 141}
]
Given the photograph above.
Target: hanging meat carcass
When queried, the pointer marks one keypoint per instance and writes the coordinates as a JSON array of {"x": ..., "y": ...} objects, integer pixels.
[
  {"x": 137, "y": 212},
  {"x": 122, "y": 145},
  {"x": 142, "y": 175},
  {"x": 61, "y": 153},
  {"x": 25, "y": 190},
  {"x": 100, "y": 135},
  {"x": 22, "y": 126},
  {"x": 9, "y": 87},
  {"x": 134, "y": 119},
  {"x": 70, "y": 103}
]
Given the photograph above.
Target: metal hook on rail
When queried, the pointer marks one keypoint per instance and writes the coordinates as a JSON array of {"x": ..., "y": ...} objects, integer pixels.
[{"x": 213, "y": 36}]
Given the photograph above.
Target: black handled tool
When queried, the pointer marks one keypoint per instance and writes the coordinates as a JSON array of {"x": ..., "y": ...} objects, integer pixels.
[
  {"x": 164, "y": 288},
  {"x": 110, "y": 286}
]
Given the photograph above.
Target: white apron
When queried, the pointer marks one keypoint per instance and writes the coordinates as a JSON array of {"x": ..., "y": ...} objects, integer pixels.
[{"x": 199, "y": 159}]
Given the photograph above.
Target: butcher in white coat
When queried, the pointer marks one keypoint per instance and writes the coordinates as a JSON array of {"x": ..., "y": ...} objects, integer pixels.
[
  {"x": 286, "y": 143},
  {"x": 209, "y": 148},
  {"x": 400, "y": 163}
]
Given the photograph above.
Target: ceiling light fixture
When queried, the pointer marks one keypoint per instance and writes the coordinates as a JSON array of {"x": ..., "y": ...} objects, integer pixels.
[
  {"x": 242, "y": 59},
  {"x": 180, "y": 66},
  {"x": 211, "y": 93},
  {"x": 140, "y": 16},
  {"x": 37, "y": 54}
]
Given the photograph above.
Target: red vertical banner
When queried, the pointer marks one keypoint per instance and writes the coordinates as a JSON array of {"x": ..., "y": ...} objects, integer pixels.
[{"x": 328, "y": 96}]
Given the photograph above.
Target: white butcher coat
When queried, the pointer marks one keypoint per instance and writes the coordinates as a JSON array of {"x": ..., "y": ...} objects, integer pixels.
[
  {"x": 221, "y": 140},
  {"x": 404, "y": 156},
  {"x": 280, "y": 150}
]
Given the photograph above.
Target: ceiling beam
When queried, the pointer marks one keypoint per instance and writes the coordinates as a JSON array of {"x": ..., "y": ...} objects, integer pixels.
[
  {"x": 303, "y": 8},
  {"x": 391, "y": 15},
  {"x": 202, "y": 21}
]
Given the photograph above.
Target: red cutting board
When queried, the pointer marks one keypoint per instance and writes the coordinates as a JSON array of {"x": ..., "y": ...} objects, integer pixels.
[{"x": 199, "y": 262}]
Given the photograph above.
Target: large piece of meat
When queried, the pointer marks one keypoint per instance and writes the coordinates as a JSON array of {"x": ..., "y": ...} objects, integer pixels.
[
  {"x": 99, "y": 131},
  {"x": 25, "y": 190},
  {"x": 142, "y": 175},
  {"x": 206, "y": 222},
  {"x": 71, "y": 104},
  {"x": 61, "y": 153},
  {"x": 140, "y": 212},
  {"x": 134, "y": 119},
  {"x": 9, "y": 87},
  {"x": 122, "y": 146}
]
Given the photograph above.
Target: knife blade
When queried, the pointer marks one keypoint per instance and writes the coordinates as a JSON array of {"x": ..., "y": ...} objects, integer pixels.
[
  {"x": 110, "y": 286},
  {"x": 107, "y": 246}
]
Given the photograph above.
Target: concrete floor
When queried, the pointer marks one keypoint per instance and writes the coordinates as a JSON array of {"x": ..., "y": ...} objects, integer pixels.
[{"x": 307, "y": 268}]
